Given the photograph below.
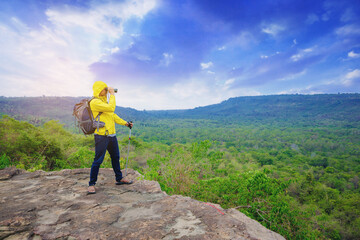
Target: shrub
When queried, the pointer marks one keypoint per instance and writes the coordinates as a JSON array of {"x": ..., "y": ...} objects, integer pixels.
[{"x": 4, "y": 161}]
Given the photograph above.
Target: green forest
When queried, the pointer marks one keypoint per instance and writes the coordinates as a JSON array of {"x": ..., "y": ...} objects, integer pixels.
[{"x": 291, "y": 162}]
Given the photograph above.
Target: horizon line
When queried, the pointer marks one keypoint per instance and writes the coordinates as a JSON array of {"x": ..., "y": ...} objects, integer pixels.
[{"x": 183, "y": 109}]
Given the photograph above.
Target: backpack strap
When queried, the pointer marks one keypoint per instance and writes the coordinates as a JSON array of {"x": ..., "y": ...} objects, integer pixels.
[
  {"x": 98, "y": 116},
  {"x": 98, "y": 121}
]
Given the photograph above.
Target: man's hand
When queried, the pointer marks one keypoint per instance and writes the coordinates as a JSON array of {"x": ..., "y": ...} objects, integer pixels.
[
  {"x": 129, "y": 124},
  {"x": 111, "y": 91}
]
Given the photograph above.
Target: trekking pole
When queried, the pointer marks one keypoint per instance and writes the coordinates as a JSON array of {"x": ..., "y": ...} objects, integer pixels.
[{"x": 127, "y": 158}]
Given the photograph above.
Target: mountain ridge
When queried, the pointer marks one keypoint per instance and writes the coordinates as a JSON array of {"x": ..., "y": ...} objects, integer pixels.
[{"x": 319, "y": 107}]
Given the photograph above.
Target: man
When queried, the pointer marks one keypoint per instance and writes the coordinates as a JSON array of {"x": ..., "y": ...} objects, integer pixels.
[{"x": 105, "y": 137}]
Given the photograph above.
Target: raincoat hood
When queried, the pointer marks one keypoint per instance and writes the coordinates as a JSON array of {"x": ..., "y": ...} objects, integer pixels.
[
  {"x": 105, "y": 105},
  {"x": 98, "y": 87}
]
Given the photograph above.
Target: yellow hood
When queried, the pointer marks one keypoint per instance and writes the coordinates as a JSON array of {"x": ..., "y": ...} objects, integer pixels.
[
  {"x": 98, "y": 87},
  {"x": 101, "y": 105}
]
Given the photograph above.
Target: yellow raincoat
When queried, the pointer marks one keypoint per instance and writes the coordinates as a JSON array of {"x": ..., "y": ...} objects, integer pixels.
[{"x": 99, "y": 104}]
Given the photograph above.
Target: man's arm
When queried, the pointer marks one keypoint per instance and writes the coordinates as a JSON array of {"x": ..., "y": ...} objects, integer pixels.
[
  {"x": 119, "y": 120},
  {"x": 99, "y": 106}
]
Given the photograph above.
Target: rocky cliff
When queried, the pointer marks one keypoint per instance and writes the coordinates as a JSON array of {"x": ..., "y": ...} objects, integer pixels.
[{"x": 55, "y": 205}]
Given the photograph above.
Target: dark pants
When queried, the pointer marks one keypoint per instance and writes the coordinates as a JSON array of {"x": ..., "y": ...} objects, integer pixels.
[{"x": 103, "y": 143}]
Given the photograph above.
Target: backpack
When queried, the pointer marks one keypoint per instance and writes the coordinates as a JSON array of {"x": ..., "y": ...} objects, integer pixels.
[{"x": 84, "y": 118}]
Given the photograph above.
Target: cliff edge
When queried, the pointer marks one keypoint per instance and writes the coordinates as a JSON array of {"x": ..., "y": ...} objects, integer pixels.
[{"x": 55, "y": 205}]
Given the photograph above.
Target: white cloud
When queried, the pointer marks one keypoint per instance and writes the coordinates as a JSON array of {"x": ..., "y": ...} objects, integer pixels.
[
  {"x": 263, "y": 69},
  {"x": 294, "y": 41},
  {"x": 348, "y": 82},
  {"x": 350, "y": 77},
  {"x": 168, "y": 58},
  {"x": 312, "y": 18},
  {"x": 301, "y": 54},
  {"x": 273, "y": 29},
  {"x": 196, "y": 90},
  {"x": 206, "y": 65},
  {"x": 244, "y": 40},
  {"x": 296, "y": 57},
  {"x": 40, "y": 62},
  {"x": 222, "y": 48},
  {"x": 185, "y": 94},
  {"x": 353, "y": 54},
  {"x": 185, "y": 90},
  {"x": 114, "y": 50},
  {"x": 353, "y": 74},
  {"x": 293, "y": 76},
  {"x": 264, "y": 56},
  {"x": 228, "y": 83},
  {"x": 105, "y": 19},
  {"x": 244, "y": 92},
  {"x": 54, "y": 59},
  {"x": 351, "y": 29},
  {"x": 306, "y": 90},
  {"x": 142, "y": 57}
]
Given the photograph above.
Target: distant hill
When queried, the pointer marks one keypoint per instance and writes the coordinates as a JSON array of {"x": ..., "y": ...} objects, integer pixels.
[
  {"x": 38, "y": 110},
  {"x": 277, "y": 108},
  {"x": 307, "y": 109}
]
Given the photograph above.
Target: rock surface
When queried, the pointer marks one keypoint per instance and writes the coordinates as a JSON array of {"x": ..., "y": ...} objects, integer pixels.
[{"x": 55, "y": 205}]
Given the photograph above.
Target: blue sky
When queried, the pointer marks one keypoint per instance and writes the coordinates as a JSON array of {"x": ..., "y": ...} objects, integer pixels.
[{"x": 164, "y": 54}]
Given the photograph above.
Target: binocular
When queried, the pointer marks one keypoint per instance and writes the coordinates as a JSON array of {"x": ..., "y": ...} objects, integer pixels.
[{"x": 115, "y": 90}]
